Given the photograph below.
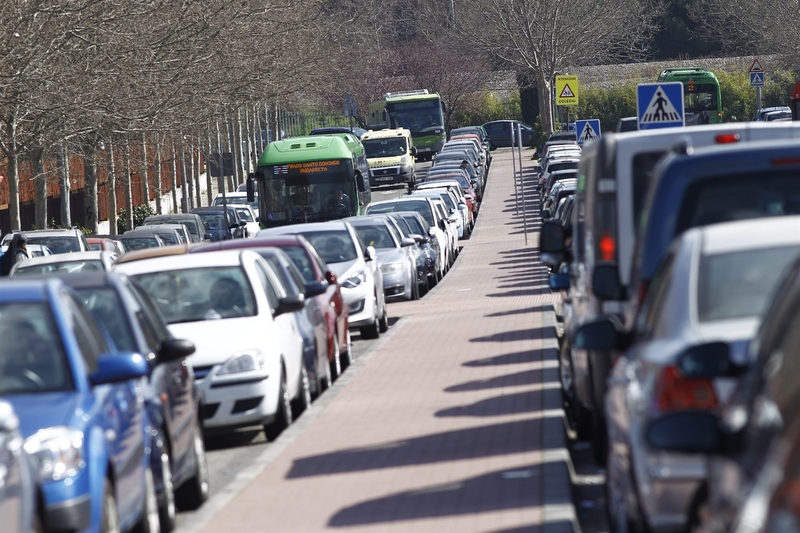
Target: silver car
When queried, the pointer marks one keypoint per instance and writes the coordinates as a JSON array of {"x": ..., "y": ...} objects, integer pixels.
[
  {"x": 17, "y": 488},
  {"x": 711, "y": 287}
]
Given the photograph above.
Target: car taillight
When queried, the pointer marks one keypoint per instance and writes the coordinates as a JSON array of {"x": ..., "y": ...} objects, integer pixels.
[
  {"x": 727, "y": 138},
  {"x": 677, "y": 393},
  {"x": 608, "y": 247}
]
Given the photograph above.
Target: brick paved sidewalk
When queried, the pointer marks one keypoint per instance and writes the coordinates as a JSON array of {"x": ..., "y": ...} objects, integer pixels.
[{"x": 454, "y": 424}]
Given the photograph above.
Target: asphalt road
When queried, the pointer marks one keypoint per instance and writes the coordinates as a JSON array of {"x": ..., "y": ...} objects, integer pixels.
[{"x": 230, "y": 454}]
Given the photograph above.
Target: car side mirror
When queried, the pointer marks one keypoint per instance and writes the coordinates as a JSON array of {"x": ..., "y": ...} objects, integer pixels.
[
  {"x": 709, "y": 360},
  {"x": 605, "y": 281},
  {"x": 331, "y": 278},
  {"x": 174, "y": 349},
  {"x": 407, "y": 241},
  {"x": 207, "y": 236},
  {"x": 414, "y": 151},
  {"x": 687, "y": 432},
  {"x": 603, "y": 334},
  {"x": 370, "y": 254},
  {"x": 315, "y": 288},
  {"x": 251, "y": 187},
  {"x": 117, "y": 367},
  {"x": 290, "y": 304},
  {"x": 419, "y": 238}
]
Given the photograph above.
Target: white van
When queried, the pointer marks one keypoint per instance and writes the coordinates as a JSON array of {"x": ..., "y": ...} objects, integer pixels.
[{"x": 391, "y": 157}]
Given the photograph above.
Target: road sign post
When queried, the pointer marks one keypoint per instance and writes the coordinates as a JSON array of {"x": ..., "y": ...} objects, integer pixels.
[
  {"x": 659, "y": 105},
  {"x": 587, "y": 130},
  {"x": 758, "y": 78}
]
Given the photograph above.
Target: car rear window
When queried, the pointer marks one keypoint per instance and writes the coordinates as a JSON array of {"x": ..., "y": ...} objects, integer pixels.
[
  {"x": 642, "y": 166},
  {"x": 57, "y": 245},
  {"x": 733, "y": 285},
  {"x": 332, "y": 246},
  {"x": 740, "y": 197},
  {"x": 301, "y": 260}
]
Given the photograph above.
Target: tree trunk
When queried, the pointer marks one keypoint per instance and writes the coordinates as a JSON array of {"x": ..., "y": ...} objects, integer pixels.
[
  {"x": 176, "y": 207},
  {"x": 145, "y": 173},
  {"x": 242, "y": 165},
  {"x": 188, "y": 189},
  {"x": 196, "y": 168},
  {"x": 157, "y": 185},
  {"x": 112, "y": 191},
  {"x": 545, "y": 103},
  {"x": 64, "y": 186},
  {"x": 90, "y": 187},
  {"x": 128, "y": 189},
  {"x": 40, "y": 181},
  {"x": 209, "y": 193}
]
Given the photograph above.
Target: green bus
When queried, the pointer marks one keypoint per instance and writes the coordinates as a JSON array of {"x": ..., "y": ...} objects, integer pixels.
[
  {"x": 702, "y": 101},
  {"x": 311, "y": 179},
  {"x": 418, "y": 111}
]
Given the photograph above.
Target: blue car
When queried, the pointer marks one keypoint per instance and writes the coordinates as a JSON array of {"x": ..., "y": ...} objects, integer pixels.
[{"x": 81, "y": 410}]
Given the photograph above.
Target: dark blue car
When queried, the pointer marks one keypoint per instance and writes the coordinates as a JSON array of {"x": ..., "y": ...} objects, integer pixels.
[{"x": 80, "y": 407}]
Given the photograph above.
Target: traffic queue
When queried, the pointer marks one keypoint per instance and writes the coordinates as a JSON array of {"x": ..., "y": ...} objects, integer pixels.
[
  {"x": 117, "y": 363},
  {"x": 678, "y": 265}
]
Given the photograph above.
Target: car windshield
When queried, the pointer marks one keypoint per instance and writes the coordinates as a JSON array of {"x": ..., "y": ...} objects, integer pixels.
[
  {"x": 212, "y": 220},
  {"x": 301, "y": 260},
  {"x": 245, "y": 215},
  {"x": 391, "y": 147},
  {"x": 195, "y": 294},
  {"x": 553, "y": 167},
  {"x": 32, "y": 358},
  {"x": 740, "y": 284},
  {"x": 461, "y": 180},
  {"x": 421, "y": 207},
  {"x": 57, "y": 245},
  {"x": 238, "y": 200},
  {"x": 169, "y": 237},
  {"x": 139, "y": 243},
  {"x": 333, "y": 246},
  {"x": 107, "y": 308},
  {"x": 64, "y": 267},
  {"x": 376, "y": 235},
  {"x": 416, "y": 226}
]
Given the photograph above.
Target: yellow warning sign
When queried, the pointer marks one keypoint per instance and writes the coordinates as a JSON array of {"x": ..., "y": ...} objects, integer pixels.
[{"x": 567, "y": 90}]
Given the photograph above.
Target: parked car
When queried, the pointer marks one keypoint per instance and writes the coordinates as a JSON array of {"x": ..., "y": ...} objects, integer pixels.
[
  {"x": 140, "y": 240},
  {"x": 712, "y": 286},
  {"x": 429, "y": 245},
  {"x": 500, "y": 132},
  {"x": 169, "y": 233},
  {"x": 58, "y": 241},
  {"x": 37, "y": 250},
  {"x": 323, "y": 296},
  {"x": 420, "y": 253},
  {"x": 479, "y": 130},
  {"x": 764, "y": 113},
  {"x": 193, "y": 223},
  {"x": 18, "y": 488},
  {"x": 470, "y": 184},
  {"x": 250, "y": 219},
  {"x": 398, "y": 268},
  {"x": 463, "y": 203},
  {"x": 627, "y": 124},
  {"x": 221, "y": 223},
  {"x": 356, "y": 268},
  {"x": 237, "y": 198},
  {"x": 445, "y": 177},
  {"x": 230, "y": 305},
  {"x": 134, "y": 321},
  {"x": 62, "y": 263},
  {"x": 98, "y": 243},
  {"x": 617, "y": 170},
  {"x": 68, "y": 385}
]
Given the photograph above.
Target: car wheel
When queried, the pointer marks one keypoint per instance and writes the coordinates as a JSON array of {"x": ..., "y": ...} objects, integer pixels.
[
  {"x": 303, "y": 399},
  {"x": 348, "y": 358},
  {"x": 166, "y": 509},
  {"x": 414, "y": 288},
  {"x": 283, "y": 417},
  {"x": 336, "y": 364},
  {"x": 383, "y": 323},
  {"x": 194, "y": 491},
  {"x": 373, "y": 330},
  {"x": 149, "y": 522},
  {"x": 424, "y": 287},
  {"x": 109, "y": 520}
]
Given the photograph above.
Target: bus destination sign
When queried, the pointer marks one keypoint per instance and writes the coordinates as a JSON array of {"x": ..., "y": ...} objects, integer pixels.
[{"x": 308, "y": 167}]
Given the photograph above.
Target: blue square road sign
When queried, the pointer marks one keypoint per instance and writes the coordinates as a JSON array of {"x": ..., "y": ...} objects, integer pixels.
[
  {"x": 757, "y": 79},
  {"x": 659, "y": 105},
  {"x": 587, "y": 130}
]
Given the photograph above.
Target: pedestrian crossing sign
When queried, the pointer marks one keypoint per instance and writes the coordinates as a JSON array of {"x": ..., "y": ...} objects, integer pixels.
[
  {"x": 567, "y": 90},
  {"x": 587, "y": 130},
  {"x": 659, "y": 105}
]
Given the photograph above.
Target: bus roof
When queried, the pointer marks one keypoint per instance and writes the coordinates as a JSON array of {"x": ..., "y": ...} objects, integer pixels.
[
  {"x": 311, "y": 148},
  {"x": 410, "y": 96},
  {"x": 685, "y": 73}
]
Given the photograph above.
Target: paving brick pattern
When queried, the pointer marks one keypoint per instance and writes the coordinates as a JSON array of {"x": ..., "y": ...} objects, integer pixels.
[{"x": 454, "y": 424}]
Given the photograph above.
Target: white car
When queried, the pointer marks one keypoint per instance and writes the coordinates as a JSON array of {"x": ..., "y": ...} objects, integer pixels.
[
  {"x": 451, "y": 207},
  {"x": 454, "y": 187},
  {"x": 246, "y": 213},
  {"x": 356, "y": 268},
  {"x": 230, "y": 304},
  {"x": 237, "y": 198},
  {"x": 66, "y": 263}
]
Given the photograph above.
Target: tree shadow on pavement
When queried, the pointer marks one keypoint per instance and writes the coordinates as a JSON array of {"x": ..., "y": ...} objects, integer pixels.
[
  {"x": 507, "y": 404},
  {"x": 509, "y": 380},
  {"x": 516, "y": 488},
  {"x": 536, "y": 309},
  {"x": 519, "y": 335},
  {"x": 485, "y": 441},
  {"x": 527, "y": 356}
]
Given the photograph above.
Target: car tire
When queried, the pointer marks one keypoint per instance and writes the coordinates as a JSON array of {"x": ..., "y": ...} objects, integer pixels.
[
  {"x": 348, "y": 357},
  {"x": 415, "y": 288},
  {"x": 194, "y": 491},
  {"x": 373, "y": 330},
  {"x": 167, "y": 507},
  {"x": 424, "y": 287},
  {"x": 109, "y": 519},
  {"x": 283, "y": 417},
  {"x": 383, "y": 322},
  {"x": 303, "y": 399},
  {"x": 149, "y": 523}
]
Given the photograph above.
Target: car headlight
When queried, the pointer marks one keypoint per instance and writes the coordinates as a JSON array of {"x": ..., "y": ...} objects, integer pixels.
[
  {"x": 245, "y": 361},
  {"x": 405, "y": 160},
  {"x": 355, "y": 280},
  {"x": 391, "y": 268},
  {"x": 56, "y": 453}
]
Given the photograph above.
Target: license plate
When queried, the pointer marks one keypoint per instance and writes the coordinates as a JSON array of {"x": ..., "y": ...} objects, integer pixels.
[{"x": 385, "y": 178}]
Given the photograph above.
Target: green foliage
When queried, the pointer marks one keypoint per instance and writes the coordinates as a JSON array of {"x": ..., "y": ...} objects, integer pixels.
[
  {"x": 487, "y": 107},
  {"x": 140, "y": 212},
  {"x": 606, "y": 104},
  {"x": 739, "y": 99}
]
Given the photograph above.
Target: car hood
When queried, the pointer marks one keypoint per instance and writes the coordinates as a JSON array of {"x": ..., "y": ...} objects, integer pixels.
[
  {"x": 389, "y": 255},
  {"x": 378, "y": 162},
  {"x": 344, "y": 269},
  {"x": 216, "y": 340},
  {"x": 43, "y": 410}
]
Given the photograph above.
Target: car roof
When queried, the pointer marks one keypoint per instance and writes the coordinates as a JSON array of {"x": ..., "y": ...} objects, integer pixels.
[
  {"x": 159, "y": 251},
  {"x": 183, "y": 261},
  {"x": 30, "y": 289},
  {"x": 94, "y": 255},
  {"x": 770, "y": 232},
  {"x": 254, "y": 242},
  {"x": 374, "y": 219},
  {"x": 331, "y": 225}
]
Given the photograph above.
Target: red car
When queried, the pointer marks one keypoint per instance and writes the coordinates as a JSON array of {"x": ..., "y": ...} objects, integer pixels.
[
  {"x": 313, "y": 268},
  {"x": 105, "y": 243}
]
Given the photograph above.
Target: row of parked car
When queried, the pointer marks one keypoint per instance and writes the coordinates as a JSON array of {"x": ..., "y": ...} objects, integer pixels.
[
  {"x": 114, "y": 370},
  {"x": 679, "y": 269}
]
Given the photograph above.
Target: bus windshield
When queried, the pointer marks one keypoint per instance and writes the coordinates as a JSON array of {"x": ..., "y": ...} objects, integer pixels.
[
  {"x": 700, "y": 97},
  {"x": 419, "y": 116},
  {"x": 307, "y": 192}
]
